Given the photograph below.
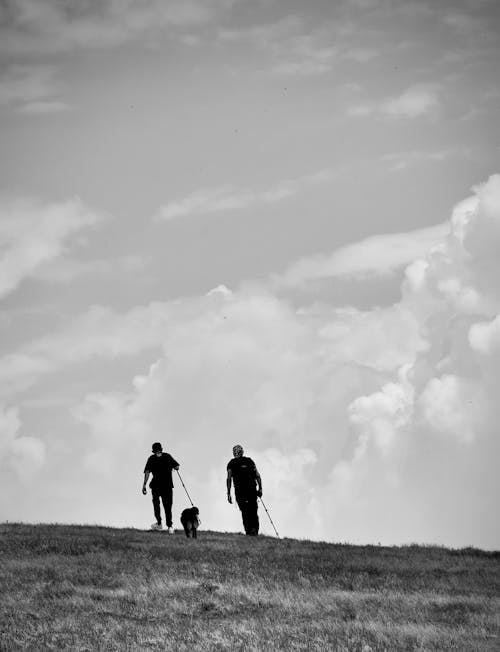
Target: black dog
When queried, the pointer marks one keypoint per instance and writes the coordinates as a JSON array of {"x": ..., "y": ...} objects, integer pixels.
[{"x": 190, "y": 521}]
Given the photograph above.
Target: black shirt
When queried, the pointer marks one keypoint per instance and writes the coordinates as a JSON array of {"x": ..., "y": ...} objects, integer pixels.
[
  {"x": 244, "y": 474},
  {"x": 161, "y": 468}
]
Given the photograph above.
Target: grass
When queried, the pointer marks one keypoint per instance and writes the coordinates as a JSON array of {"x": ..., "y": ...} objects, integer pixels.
[{"x": 93, "y": 588}]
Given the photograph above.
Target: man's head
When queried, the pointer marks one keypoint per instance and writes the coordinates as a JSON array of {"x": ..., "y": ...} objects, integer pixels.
[
  {"x": 157, "y": 448},
  {"x": 237, "y": 450}
]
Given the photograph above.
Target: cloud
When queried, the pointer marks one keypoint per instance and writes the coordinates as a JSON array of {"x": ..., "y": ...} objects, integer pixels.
[
  {"x": 66, "y": 270},
  {"x": 385, "y": 419},
  {"x": 461, "y": 22},
  {"x": 307, "y": 67},
  {"x": 30, "y": 89},
  {"x": 380, "y": 254},
  {"x": 377, "y": 425},
  {"x": 234, "y": 365},
  {"x": 42, "y": 108},
  {"x": 360, "y": 55},
  {"x": 416, "y": 101},
  {"x": 401, "y": 160},
  {"x": 484, "y": 337},
  {"x": 21, "y": 455},
  {"x": 211, "y": 200},
  {"x": 32, "y": 234},
  {"x": 99, "y": 332},
  {"x": 32, "y": 27}
]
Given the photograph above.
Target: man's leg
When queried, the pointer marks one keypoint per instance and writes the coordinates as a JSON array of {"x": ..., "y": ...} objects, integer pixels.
[
  {"x": 248, "y": 507},
  {"x": 242, "y": 504},
  {"x": 166, "y": 498},
  {"x": 156, "y": 506},
  {"x": 256, "y": 517},
  {"x": 253, "y": 517}
]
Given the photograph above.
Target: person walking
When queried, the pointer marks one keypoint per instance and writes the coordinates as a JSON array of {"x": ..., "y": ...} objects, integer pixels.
[
  {"x": 247, "y": 488},
  {"x": 160, "y": 464}
]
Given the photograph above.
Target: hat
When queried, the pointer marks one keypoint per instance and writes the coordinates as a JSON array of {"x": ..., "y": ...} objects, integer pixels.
[{"x": 157, "y": 447}]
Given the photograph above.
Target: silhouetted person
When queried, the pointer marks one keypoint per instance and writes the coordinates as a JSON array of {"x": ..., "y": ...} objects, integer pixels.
[
  {"x": 247, "y": 488},
  {"x": 160, "y": 464}
]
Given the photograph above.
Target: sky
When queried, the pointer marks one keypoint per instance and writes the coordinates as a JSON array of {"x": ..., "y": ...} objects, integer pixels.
[{"x": 268, "y": 223}]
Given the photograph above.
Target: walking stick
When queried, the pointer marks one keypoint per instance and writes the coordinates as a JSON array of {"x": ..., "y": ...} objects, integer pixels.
[
  {"x": 192, "y": 505},
  {"x": 263, "y": 505}
]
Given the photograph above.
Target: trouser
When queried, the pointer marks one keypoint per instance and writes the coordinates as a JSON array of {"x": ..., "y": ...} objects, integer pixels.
[
  {"x": 165, "y": 494},
  {"x": 248, "y": 508}
]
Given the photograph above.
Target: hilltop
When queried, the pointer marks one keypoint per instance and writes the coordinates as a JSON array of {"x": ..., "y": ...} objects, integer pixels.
[{"x": 95, "y": 588}]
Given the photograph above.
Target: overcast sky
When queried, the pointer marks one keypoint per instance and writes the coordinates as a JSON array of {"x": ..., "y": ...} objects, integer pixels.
[{"x": 259, "y": 222}]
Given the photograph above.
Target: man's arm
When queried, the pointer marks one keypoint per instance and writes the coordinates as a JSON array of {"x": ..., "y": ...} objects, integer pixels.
[
  {"x": 146, "y": 476},
  {"x": 228, "y": 485},
  {"x": 174, "y": 463}
]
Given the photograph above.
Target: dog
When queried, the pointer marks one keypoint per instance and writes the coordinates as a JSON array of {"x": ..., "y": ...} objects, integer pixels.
[{"x": 190, "y": 521}]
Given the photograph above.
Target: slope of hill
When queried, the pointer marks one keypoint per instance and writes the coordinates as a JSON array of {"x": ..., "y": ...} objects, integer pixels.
[{"x": 94, "y": 588}]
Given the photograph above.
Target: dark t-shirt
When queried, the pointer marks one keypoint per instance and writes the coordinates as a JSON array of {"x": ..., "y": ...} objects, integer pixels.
[
  {"x": 161, "y": 468},
  {"x": 244, "y": 474}
]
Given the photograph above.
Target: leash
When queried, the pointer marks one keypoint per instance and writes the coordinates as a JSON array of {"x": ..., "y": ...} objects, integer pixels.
[{"x": 192, "y": 505}]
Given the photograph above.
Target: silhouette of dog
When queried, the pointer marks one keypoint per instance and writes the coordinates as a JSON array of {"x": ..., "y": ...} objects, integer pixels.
[{"x": 190, "y": 521}]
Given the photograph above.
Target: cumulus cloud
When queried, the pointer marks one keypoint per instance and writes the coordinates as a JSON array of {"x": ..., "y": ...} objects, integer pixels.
[
  {"x": 32, "y": 233},
  {"x": 376, "y": 425},
  {"x": 239, "y": 366},
  {"x": 484, "y": 337},
  {"x": 380, "y": 254},
  {"x": 19, "y": 454}
]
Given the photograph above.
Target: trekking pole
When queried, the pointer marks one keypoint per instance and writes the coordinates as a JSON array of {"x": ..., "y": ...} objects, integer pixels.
[
  {"x": 192, "y": 505},
  {"x": 263, "y": 505}
]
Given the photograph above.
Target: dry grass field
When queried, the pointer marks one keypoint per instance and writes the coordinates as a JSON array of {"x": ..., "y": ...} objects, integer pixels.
[{"x": 93, "y": 588}]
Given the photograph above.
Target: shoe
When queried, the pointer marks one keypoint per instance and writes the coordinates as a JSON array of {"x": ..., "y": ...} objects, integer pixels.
[
  {"x": 170, "y": 530},
  {"x": 157, "y": 526}
]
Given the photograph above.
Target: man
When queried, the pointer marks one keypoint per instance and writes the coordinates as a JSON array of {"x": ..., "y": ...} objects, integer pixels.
[
  {"x": 160, "y": 464},
  {"x": 247, "y": 488}
]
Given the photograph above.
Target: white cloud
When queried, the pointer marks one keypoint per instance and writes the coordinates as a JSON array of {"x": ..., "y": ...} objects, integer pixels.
[
  {"x": 99, "y": 332},
  {"x": 380, "y": 254},
  {"x": 416, "y": 101},
  {"x": 22, "y": 455},
  {"x": 368, "y": 426},
  {"x": 452, "y": 405},
  {"x": 32, "y": 234},
  {"x": 210, "y": 200},
  {"x": 395, "y": 451},
  {"x": 484, "y": 337}
]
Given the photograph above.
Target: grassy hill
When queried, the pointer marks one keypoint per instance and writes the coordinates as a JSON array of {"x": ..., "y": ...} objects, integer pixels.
[{"x": 94, "y": 588}]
